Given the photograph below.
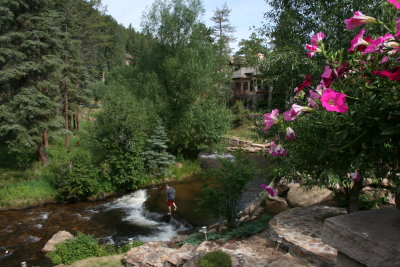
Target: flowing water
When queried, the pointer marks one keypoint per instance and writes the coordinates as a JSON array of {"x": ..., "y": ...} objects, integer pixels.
[{"x": 139, "y": 215}]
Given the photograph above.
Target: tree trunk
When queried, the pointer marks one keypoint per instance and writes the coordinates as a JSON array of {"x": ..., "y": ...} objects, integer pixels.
[
  {"x": 78, "y": 120},
  {"x": 353, "y": 196},
  {"x": 42, "y": 155},
  {"x": 74, "y": 121},
  {"x": 45, "y": 139},
  {"x": 67, "y": 143}
]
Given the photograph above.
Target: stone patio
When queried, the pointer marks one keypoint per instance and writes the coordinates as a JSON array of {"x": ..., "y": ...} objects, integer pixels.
[{"x": 301, "y": 230}]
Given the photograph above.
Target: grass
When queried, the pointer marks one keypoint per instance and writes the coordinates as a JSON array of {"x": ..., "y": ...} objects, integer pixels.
[
  {"x": 245, "y": 132},
  {"x": 189, "y": 168},
  {"x": 20, "y": 189}
]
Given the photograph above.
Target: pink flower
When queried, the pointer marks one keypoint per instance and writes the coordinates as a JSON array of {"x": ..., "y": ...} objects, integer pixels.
[
  {"x": 311, "y": 102},
  {"x": 395, "y": 3},
  {"x": 304, "y": 84},
  {"x": 334, "y": 101},
  {"x": 355, "y": 176},
  {"x": 392, "y": 74},
  {"x": 290, "y": 134},
  {"x": 271, "y": 119},
  {"x": 317, "y": 38},
  {"x": 277, "y": 151},
  {"x": 327, "y": 76},
  {"x": 271, "y": 191},
  {"x": 295, "y": 111},
  {"x": 313, "y": 49},
  {"x": 358, "y": 19},
  {"x": 377, "y": 45},
  {"x": 384, "y": 60},
  {"x": 358, "y": 41},
  {"x": 314, "y": 94},
  {"x": 290, "y": 115}
]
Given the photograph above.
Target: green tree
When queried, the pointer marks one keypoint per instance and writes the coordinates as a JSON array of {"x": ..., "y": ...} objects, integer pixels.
[
  {"x": 223, "y": 30},
  {"x": 156, "y": 157},
  {"x": 122, "y": 129},
  {"x": 225, "y": 188},
  {"x": 186, "y": 65},
  {"x": 29, "y": 44},
  {"x": 249, "y": 49}
]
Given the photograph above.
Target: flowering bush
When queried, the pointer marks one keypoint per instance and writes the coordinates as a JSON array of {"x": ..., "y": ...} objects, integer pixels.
[{"x": 346, "y": 126}]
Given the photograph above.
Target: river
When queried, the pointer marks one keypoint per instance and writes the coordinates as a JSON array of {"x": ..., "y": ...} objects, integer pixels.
[{"x": 138, "y": 215}]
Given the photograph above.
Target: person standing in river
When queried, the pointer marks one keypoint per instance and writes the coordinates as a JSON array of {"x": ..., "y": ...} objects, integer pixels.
[{"x": 170, "y": 199}]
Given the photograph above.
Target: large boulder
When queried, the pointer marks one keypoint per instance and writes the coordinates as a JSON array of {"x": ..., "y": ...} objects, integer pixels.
[
  {"x": 368, "y": 237},
  {"x": 275, "y": 205},
  {"x": 55, "y": 239},
  {"x": 299, "y": 196}
]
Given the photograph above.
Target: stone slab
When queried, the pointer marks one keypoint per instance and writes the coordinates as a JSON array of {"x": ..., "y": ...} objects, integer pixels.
[
  {"x": 301, "y": 230},
  {"x": 370, "y": 237}
]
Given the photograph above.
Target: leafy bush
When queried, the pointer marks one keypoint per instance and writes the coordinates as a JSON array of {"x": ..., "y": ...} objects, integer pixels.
[
  {"x": 82, "y": 246},
  {"x": 249, "y": 229},
  {"x": 215, "y": 259},
  {"x": 198, "y": 238},
  {"x": 85, "y": 246},
  {"x": 200, "y": 127},
  {"x": 225, "y": 186},
  {"x": 75, "y": 177}
]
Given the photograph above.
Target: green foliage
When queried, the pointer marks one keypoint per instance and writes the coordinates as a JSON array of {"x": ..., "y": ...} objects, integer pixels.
[
  {"x": 85, "y": 246},
  {"x": 20, "y": 189},
  {"x": 289, "y": 25},
  {"x": 81, "y": 247},
  {"x": 201, "y": 127},
  {"x": 215, "y": 259},
  {"x": 156, "y": 158},
  {"x": 189, "y": 168},
  {"x": 245, "y": 230},
  {"x": 250, "y": 48},
  {"x": 121, "y": 130},
  {"x": 364, "y": 139},
  {"x": 75, "y": 177},
  {"x": 249, "y": 229},
  {"x": 225, "y": 186},
  {"x": 199, "y": 238},
  {"x": 241, "y": 114}
]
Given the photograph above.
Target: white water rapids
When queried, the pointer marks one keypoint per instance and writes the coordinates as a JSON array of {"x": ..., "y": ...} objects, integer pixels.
[{"x": 137, "y": 215}]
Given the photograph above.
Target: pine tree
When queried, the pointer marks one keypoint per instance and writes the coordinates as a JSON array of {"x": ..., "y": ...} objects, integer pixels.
[
  {"x": 223, "y": 29},
  {"x": 29, "y": 73},
  {"x": 157, "y": 159}
]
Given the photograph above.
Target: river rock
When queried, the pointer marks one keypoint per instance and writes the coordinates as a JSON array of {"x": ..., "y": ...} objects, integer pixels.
[
  {"x": 299, "y": 196},
  {"x": 55, "y": 239},
  {"x": 288, "y": 260},
  {"x": 275, "y": 205}
]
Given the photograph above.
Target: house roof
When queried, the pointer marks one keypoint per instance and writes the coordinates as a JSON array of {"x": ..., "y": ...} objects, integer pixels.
[
  {"x": 128, "y": 56},
  {"x": 245, "y": 73}
]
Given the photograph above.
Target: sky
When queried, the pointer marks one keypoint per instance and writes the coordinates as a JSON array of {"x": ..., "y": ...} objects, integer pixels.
[{"x": 244, "y": 14}]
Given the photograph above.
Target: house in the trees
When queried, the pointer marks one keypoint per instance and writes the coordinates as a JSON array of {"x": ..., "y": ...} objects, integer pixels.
[
  {"x": 247, "y": 86},
  {"x": 128, "y": 59}
]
